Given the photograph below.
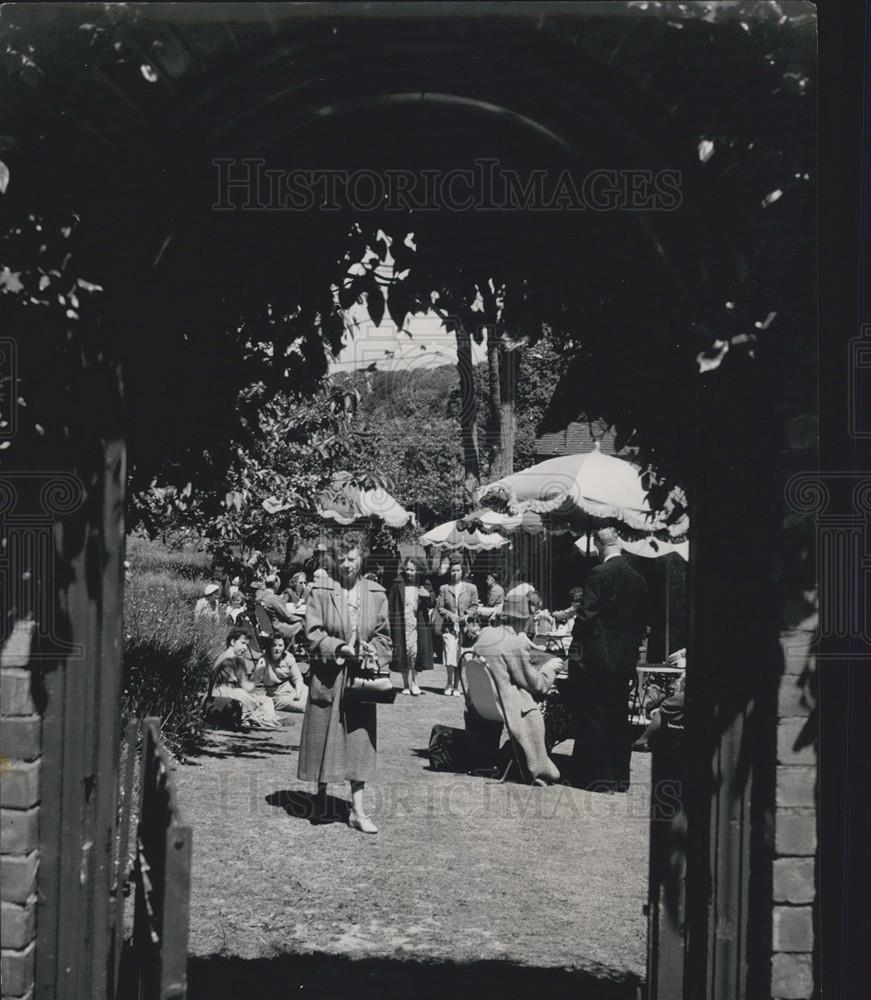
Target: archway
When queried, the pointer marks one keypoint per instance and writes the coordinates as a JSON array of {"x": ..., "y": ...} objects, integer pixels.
[{"x": 221, "y": 92}]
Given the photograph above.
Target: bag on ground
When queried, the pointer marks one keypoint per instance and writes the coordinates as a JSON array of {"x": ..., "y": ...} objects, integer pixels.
[
  {"x": 223, "y": 713},
  {"x": 447, "y": 749}
]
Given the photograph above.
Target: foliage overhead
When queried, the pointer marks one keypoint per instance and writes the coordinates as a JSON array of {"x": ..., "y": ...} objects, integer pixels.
[{"x": 212, "y": 313}]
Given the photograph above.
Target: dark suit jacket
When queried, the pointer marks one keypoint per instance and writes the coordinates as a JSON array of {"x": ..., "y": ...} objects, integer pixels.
[{"x": 610, "y": 622}]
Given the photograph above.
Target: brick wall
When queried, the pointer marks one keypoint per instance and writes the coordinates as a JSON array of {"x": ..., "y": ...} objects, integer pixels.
[
  {"x": 794, "y": 847},
  {"x": 21, "y": 749},
  {"x": 795, "y": 825}
]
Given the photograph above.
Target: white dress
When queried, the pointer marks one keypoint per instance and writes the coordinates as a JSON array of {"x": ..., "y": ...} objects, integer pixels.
[{"x": 412, "y": 596}]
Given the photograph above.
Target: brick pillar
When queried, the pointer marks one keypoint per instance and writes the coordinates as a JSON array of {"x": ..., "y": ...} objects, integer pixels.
[
  {"x": 794, "y": 845},
  {"x": 795, "y": 826},
  {"x": 21, "y": 749}
]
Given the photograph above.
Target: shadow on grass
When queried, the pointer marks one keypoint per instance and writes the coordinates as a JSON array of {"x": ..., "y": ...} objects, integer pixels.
[
  {"x": 494, "y": 771},
  {"x": 432, "y": 690},
  {"x": 256, "y": 745},
  {"x": 337, "y": 977},
  {"x": 301, "y": 805},
  {"x": 459, "y": 767}
]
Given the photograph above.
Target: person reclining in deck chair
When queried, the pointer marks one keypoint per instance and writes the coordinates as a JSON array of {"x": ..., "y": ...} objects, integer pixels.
[
  {"x": 283, "y": 622},
  {"x": 523, "y": 675}
]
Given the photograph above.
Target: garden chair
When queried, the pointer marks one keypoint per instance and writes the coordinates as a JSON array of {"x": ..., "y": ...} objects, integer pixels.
[
  {"x": 482, "y": 697},
  {"x": 264, "y": 625}
]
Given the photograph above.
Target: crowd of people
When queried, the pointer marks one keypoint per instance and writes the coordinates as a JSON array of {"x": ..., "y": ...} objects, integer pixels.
[{"x": 346, "y": 627}]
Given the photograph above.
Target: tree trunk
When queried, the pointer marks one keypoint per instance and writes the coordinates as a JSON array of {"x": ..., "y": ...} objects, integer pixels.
[
  {"x": 468, "y": 409},
  {"x": 507, "y": 412},
  {"x": 289, "y": 546},
  {"x": 494, "y": 422},
  {"x": 502, "y": 368}
]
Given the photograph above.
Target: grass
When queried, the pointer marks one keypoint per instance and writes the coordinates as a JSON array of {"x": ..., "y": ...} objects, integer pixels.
[
  {"x": 167, "y": 655},
  {"x": 517, "y": 889},
  {"x": 151, "y": 556},
  {"x": 464, "y": 871}
]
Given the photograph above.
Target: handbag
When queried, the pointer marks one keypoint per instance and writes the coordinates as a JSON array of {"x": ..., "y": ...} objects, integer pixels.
[
  {"x": 365, "y": 684},
  {"x": 441, "y": 624}
]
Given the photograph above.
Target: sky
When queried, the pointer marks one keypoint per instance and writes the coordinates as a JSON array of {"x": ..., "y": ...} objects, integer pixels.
[{"x": 426, "y": 344}]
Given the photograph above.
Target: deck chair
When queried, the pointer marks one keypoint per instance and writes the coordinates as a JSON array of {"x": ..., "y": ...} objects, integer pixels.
[
  {"x": 482, "y": 696},
  {"x": 264, "y": 624}
]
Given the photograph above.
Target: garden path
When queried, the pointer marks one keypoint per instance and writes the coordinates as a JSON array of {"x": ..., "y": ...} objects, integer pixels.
[{"x": 463, "y": 870}]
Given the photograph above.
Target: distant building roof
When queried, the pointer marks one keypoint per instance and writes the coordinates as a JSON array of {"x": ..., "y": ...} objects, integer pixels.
[{"x": 577, "y": 438}]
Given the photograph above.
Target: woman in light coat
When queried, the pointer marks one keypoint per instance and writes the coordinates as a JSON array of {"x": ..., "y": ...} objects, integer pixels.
[{"x": 345, "y": 618}]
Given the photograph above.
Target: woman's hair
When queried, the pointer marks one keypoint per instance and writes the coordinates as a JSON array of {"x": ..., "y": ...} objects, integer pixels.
[
  {"x": 237, "y": 599},
  {"x": 420, "y": 569},
  {"x": 298, "y": 577},
  {"x": 344, "y": 543},
  {"x": 455, "y": 559},
  {"x": 236, "y": 633}
]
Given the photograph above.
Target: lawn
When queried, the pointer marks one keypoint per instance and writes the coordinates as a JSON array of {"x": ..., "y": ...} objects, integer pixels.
[{"x": 464, "y": 869}]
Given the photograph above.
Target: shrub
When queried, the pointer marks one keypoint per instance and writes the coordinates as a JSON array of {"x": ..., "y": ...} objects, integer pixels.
[{"x": 167, "y": 655}]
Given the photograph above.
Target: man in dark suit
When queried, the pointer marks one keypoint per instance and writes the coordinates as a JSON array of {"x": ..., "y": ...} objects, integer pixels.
[{"x": 602, "y": 660}]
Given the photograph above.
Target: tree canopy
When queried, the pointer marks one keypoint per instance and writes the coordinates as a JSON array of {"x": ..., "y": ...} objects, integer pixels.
[{"x": 121, "y": 257}]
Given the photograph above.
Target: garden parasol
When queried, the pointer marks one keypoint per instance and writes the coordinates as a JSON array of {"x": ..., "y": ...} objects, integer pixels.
[
  {"x": 458, "y": 535},
  {"x": 345, "y": 503},
  {"x": 587, "y": 488},
  {"x": 507, "y": 524},
  {"x": 646, "y": 548},
  {"x": 482, "y": 530}
]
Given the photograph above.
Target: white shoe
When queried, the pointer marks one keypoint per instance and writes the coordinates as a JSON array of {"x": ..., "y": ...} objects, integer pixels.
[
  {"x": 361, "y": 823},
  {"x": 456, "y": 693},
  {"x": 406, "y": 691},
  {"x": 448, "y": 692}
]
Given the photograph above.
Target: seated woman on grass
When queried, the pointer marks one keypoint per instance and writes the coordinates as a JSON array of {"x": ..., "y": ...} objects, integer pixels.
[
  {"x": 279, "y": 677},
  {"x": 230, "y": 680}
]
